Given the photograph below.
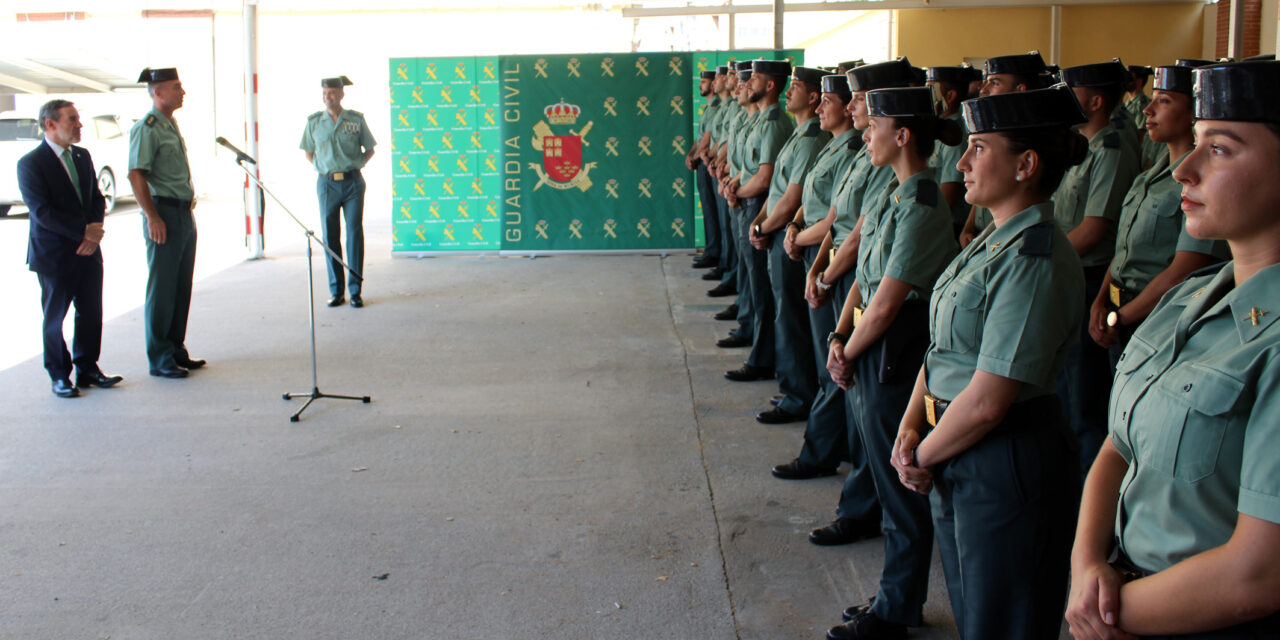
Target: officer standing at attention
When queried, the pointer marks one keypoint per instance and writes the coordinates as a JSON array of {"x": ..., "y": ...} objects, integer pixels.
[
  {"x": 797, "y": 377},
  {"x": 1179, "y": 529},
  {"x": 739, "y": 129},
  {"x": 953, "y": 82},
  {"x": 339, "y": 143},
  {"x": 824, "y": 435},
  {"x": 1087, "y": 206},
  {"x": 706, "y": 188},
  {"x": 726, "y": 114},
  {"x": 161, "y": 179},
  {"x": 760, "y": 154},
  {"x": 984, "y": 426},
  {"x": 1135, "y": 96},
  {"x": 883, "y": 333},
  {"x": 1004, "y": 74},
  {"x": 1153, "y": 252}
]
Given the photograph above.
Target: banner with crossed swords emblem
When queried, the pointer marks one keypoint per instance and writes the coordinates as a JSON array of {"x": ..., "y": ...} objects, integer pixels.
[{"x": 463, "y": 151}]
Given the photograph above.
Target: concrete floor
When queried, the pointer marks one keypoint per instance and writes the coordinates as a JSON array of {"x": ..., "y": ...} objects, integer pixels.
[{"x": 551, "y": 452}]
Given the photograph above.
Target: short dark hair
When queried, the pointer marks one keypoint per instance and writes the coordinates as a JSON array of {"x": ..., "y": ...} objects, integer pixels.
[{"x": 50, "y": 109}]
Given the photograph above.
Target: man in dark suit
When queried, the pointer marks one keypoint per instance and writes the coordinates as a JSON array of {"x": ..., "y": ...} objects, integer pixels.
[{"x": 60, "y": 189}]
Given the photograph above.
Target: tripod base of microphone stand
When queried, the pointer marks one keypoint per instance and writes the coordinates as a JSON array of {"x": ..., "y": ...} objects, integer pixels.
[{"x": 316, "y": 395}]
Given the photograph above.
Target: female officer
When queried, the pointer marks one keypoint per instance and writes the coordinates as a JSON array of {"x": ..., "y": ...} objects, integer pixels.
[
  {"x": 907, "y": 240},
  {"x": 1153, "y": 250},
  {"x": 1185, "y": 494},
  {"x": 1001, "y": 318},
  {"x": 824, "y": 434}
]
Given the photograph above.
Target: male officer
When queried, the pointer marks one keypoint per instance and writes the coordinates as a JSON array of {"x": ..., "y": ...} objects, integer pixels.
[
  {"x": 66, "y": 210},
  {"x": 693, "y": 160},
  {"x": 797, "y": 379},
  {"x": 339, "y": 143},
  {"x": 759, "y": 155},
  {"x": 161, "y": 180}
]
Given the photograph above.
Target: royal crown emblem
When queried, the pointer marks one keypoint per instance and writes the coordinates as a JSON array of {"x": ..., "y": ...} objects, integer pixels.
[{"x": 562, "y": 113}]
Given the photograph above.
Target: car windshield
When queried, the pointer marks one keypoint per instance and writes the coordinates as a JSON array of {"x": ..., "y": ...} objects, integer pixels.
[{"x": 19, "y": 129}]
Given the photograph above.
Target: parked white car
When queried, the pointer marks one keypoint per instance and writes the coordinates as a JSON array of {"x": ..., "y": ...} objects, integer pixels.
[{"x": 105, "y": 136}]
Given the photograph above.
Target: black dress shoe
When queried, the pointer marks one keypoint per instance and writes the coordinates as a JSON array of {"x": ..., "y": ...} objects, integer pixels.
[
  {"x": 733, "y": 342},
  {"x": 731, "y": 313},
  {"x": 721, "y": 291},
  {"x": 796, "y": 470},
  {"x": 356, "y": 301},
  {"x": 844, "y": 531},
  {"x": 868, "y": 627},
  {"x": 98, "y": 379},
  {"x": 336, "y": 301},
  {"x": 714, "y": 274},
  {"x": 169, "y": 372},
  {"x": 749, "y": 373},
  {"x": 858, "y": 609},
  {"x": 189, "y": 363},
  {"x": 778, "y": 416},
  {"x": 63, "y": 389},
  {"x": 705, "y": 262}
]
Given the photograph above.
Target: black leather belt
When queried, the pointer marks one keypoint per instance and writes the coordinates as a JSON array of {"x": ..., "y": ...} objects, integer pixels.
[
  {"x": 339, "y": 176},
  {"x": 172, "y": 202},
  {"x": 1118, "y": 296}
]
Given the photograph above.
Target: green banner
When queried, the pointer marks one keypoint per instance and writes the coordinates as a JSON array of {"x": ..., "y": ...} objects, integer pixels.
[
  {"x": 446, "y": 188},
  {"x": 547, "y": 153},
  {"x": 593, "y": 155}
]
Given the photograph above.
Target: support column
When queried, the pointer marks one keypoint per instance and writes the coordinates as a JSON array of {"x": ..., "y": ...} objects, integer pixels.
[
  {"x": 778, "y": 11},
  {"x": 1055, "y": 35},
  {"x": 253, "y": 199}
]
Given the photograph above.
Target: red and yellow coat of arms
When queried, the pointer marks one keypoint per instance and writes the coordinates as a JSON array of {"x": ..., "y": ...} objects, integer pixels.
[{"x": 562, "y": 166}]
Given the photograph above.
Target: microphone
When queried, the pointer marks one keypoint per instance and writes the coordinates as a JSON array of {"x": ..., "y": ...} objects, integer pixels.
[{"x": 240, "y": 155}]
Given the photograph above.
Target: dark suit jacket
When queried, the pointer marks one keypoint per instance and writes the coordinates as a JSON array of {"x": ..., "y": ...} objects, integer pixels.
[{"x": 58, "y": 218}]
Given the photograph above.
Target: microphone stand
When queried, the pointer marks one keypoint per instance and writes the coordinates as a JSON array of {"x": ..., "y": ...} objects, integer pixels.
[{"x": 315, "y": 393}]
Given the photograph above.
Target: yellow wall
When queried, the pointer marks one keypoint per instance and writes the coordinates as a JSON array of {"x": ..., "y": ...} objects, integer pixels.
[{"x": 1137, "y": 34}]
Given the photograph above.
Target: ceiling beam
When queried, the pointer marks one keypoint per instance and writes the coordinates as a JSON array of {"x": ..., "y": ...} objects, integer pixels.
[
  {"x": 636, "y": 11},
  {"x": 77, "y": 79},
  {"x": 22, "y": 85}
]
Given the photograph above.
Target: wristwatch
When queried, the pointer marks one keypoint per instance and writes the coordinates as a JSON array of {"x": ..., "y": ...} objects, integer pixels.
[
  {"x": 1113, "y": 319},
  {"x": 756, "y": 228},
  {"x": 835, "y": 335},
  {"x": 799, "y": 227},
  {"x": 822, "y": 286}
]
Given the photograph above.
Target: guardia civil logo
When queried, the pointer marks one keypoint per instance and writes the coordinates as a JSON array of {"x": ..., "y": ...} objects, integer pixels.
[{"x": 562, "y": 166}]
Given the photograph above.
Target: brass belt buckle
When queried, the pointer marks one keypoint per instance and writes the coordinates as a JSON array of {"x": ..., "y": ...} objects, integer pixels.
[
  {"x": 931, "y": 409},
  {"x": 857, "y": 315},
  {"x": 1114, "y": 292},
  {"x": 339, "y": 176},
  {"x": 831, "y": 256}
]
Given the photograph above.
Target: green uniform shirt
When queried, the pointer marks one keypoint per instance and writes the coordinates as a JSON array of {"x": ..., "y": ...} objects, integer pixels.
[
  {"x": 1195, "y": 410},
  {"x": 1128, "y": 133},
  {"x": 768, "y": 133},
  {"x": 337, "y": 146},
  {"x": 907, "y": 235},
  {"x": 1152, "y": 152},
  {"x": 156, "y": 148},
  {"x": 981, "y": 218},
  {"x": 735, "y": 136},
  {"x": 819, "y": 185},
  {"x": 728, "y": 113},
  {"x": 863, "y": 183},
  {"x": 796, "y": 158},
  {"x": 1152, "y": 229},
  {"x": 1096, "y": 188},
  {"x": 944, "y": 160},
  {"x": 709, "y": 115},
  {"x": 1009, "y": 304}
]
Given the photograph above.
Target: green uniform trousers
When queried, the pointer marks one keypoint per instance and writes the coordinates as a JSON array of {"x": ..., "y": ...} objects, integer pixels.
[{"x": 170, "y": 268}]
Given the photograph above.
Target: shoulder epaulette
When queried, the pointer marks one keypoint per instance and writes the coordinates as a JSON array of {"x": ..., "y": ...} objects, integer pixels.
[
  {"x": 355, "y": 113},
  {"x": 1111, "y": 140},
  {"x": 1037, "y": 240},
  {"x": 927, "y": 193},
  {"x": 151, "y": 120},
  {"x": 813, "y": 129},
  {"x": 855, "y": 143},
  {"x": 774, "y": 114},
  {"x": 315, "y": 115}
]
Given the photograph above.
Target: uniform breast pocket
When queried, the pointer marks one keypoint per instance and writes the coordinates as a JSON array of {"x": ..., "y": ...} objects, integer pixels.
[
  {"x": 1201, "y": 400},
  {"x": 1164, "y": 221},
  {"x": 959, "y": 316}
]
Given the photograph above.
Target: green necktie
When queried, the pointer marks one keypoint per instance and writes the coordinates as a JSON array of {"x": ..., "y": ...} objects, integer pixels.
[{"x": 71, "y": 168}]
